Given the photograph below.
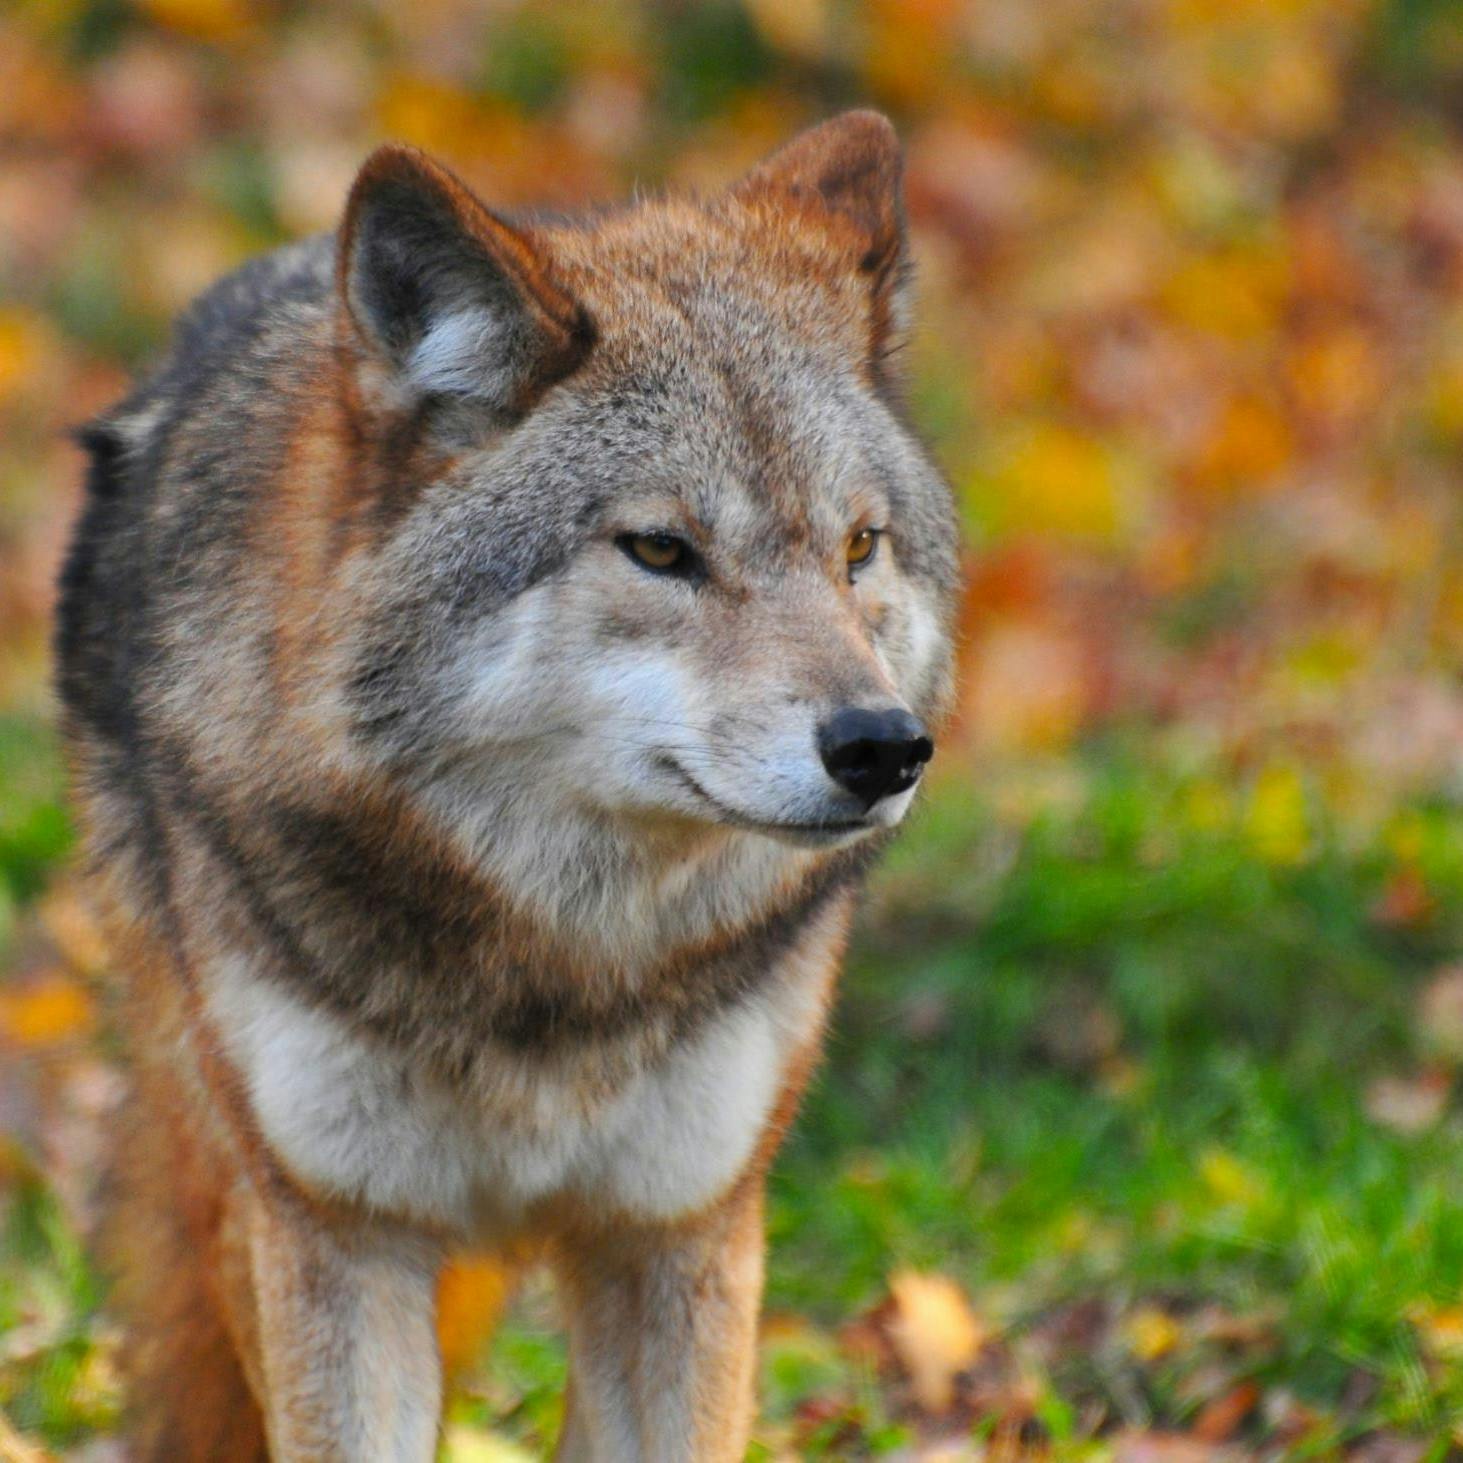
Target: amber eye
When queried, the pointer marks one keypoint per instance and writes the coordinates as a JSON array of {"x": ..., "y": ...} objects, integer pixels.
[
  {"x": 661, "y": 553},
  {"x": 862, "y": 547}
]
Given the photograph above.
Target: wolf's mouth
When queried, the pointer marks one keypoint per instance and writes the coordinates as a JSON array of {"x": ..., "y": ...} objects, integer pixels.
[{"x": 828, "y": 830}]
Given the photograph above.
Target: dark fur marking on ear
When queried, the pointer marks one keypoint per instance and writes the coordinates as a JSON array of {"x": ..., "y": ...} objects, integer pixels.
[{"x": 460, "y": 302}]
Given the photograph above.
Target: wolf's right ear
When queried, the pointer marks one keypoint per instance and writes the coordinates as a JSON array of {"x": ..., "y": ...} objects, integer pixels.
[
  {"x": 458, "y": 303},
  {"x": 845, "y": 176}
]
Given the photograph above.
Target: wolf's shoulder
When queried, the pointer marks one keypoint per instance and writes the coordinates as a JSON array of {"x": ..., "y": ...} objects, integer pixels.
[
  {"x": 209, "y": 384},
  {"x": 225, "y": 331},
  {"x": 233, "y": 309}
]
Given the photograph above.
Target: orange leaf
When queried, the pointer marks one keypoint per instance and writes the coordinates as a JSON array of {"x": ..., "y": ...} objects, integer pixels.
[
  {"x": 471, "y": 1294},
  {"x": 1219, "y": 1419},
  {"x": 44, "y": 1012},
  {"x": 1405, "y": 899},
  {"x": 1441, "y": 1331}
]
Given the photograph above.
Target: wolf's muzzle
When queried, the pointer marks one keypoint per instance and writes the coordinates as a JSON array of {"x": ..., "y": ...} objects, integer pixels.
[{"x": 873, "y": 754}]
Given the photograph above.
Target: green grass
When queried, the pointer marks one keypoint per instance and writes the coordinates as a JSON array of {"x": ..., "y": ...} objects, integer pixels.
[
  {"x": 35, "y": 832},
  {"x": 1107, "y": 1045},
  {"x": 1132, "y": 1062}
]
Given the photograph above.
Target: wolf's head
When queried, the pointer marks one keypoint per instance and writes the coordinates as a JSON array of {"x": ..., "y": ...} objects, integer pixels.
[{"x": 662, "y": 550}]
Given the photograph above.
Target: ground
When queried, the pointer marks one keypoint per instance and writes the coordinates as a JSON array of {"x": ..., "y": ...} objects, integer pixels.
[{"x": 1130, "y": 1144}]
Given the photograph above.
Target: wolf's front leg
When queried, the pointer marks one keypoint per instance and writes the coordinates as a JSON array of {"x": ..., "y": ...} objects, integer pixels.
[
  {"x": 336, "y": 1325},
  {"x": 663, "y": 1337}
]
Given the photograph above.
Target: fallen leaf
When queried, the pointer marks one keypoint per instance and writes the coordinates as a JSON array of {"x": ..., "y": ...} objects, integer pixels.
[
  {"x": 463, "y": 1444},
  {"x": 1405, "y": 899},
  {"x": 1255, "y": 1328},
  {"x": 1288, "y": 1419},
  {"x": 218, "y": 21},
  {"x": 1136, "y": 1447},
  {"x": 1440, "y": 1013},
  {"x": 16, "y": 1449},
  {"x": 45, "y": 1011},
  {"x": 1440, "y": 1330},
  {"x": 1380, "y": 1447},
  {"x": 866, "y": 1338},
  {"x": 1151, "y": 1333},
  {"x": 1219, "y": 1420},
  {"x": 471, "y": 1294},
  {"x": 935, "y": 1334},
  {"x": 1276, "y": 821},
  {"x": 1408, "y": 1104},
  {"x": 1229, "y": 1180}
]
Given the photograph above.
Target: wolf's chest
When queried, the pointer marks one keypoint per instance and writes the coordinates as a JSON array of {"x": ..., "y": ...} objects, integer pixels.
[{"x": 359, "y": 1122}]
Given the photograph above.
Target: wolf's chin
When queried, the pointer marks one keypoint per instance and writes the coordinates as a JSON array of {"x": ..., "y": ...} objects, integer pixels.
[
  {"x": 817, "y": 836},
  {"x": 821, "y": 834}
]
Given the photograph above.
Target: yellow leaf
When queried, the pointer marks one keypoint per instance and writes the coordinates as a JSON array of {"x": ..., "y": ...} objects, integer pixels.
[
  {"x": 471, "y": 1294},
  {"x": 935, "y": 1334},
  {"x": 1071, "y": 92},
  {"x": 1445, "y": 399},
  {"x": 1440, "y": 1329},
  {"x": 1404, "y": 837},
  {"x": 1235, "y": 295},
  {"x": 1151, "y": 1333},
  {"x": 1208, "y": 806},
  {"x": 1276, "y": 823},
  {"x": 1229, "y": 1180},
  {"x": 45, "y": 1012},
  {"x": 1325, "y": 659},
  {"x": 221, "y": 21},
  {"x": 463, "y": 1444},
  {"x": 906, "y": 44},
  {"x": 1058, "y": 481},
  {"x": 444, "y": 118},
  {"x": 25, "y": 341},
  {"x": 799, "y": 27}
]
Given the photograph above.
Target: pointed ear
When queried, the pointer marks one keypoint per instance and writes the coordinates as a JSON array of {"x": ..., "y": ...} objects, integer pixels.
[
  {"x": 849, "y": 166},
  {"x": 457, "y": 302},
  {"x": 846, "y": 174}
]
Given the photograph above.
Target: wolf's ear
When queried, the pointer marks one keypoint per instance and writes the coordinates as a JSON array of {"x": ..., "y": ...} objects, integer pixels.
[
  {"x": 847, "y": 175},
  {"x": 459, "y": 304}
]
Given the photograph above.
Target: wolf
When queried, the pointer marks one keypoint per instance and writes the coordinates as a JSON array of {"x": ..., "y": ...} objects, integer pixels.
[{"x": 492, "y": 651}]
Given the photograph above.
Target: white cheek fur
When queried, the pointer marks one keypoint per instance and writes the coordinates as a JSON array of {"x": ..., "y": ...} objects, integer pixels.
[{"x": 925, "y": 641}]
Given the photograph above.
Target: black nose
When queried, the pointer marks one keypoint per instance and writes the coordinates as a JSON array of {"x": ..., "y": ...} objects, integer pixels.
[{"x": 873, "y": 754}]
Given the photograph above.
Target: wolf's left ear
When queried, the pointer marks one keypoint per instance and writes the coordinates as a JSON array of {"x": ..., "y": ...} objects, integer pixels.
[
  {"x": 458, "y": 303},
  {"x": 846, "y": 175}
]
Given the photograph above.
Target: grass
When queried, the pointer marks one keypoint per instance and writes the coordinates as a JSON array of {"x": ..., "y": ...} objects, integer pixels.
[
  {"x": 1103, "y": 1055},
  {"x": 1133, "y": 1062}
]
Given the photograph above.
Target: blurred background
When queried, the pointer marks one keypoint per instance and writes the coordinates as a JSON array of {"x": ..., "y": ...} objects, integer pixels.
[{"x": 1140, "y": 1136}]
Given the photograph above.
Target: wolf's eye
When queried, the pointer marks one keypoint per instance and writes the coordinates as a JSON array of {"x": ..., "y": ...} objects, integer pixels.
[
  {"x": 861, "y": 549},
  {"x": 661, "y": 553}
]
